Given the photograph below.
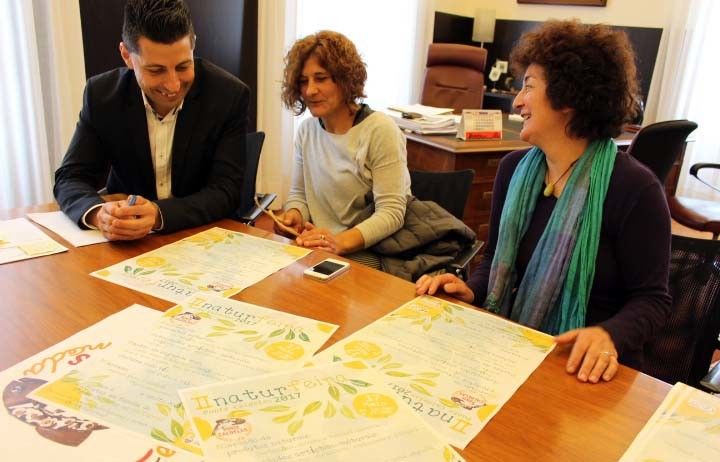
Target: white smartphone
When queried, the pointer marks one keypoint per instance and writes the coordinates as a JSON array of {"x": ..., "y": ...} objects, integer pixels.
[{"x": 327, "y": 269}]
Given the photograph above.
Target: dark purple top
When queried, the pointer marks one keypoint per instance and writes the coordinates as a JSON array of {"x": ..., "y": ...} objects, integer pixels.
[{"x": 629, "y": 296}]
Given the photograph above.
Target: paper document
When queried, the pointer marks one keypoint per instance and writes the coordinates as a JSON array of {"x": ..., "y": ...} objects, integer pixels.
[
  {"x": 216, "y": 261},
  {"x": 420, "y": 109},
  {"x": 454, "y": 366},
  {"x": 426, "y": 125},
  {"x": 206, "y": 340},
  {"x": 59, "y": 223},
  {"x": 33, "y": 431},
  {"x": 686, "y": 426},
  {"x": 315, "y": 414},
  {"x": 20, "y": 240}
]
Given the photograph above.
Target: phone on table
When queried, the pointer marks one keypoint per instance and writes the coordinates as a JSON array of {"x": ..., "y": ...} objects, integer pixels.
[{"x": 327, "y": 269}]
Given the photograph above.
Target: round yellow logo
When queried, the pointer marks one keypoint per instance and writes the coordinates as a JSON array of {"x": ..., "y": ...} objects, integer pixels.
[
  {"x": 150, "y": 261},
  {"x": 375, "y": 405},
  {"x": 362, "y": 350},
  {"x": 284, "y": 351}
]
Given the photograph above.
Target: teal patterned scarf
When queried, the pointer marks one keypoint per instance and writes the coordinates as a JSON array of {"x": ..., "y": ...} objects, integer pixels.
[{"x": 555, "y": 289}]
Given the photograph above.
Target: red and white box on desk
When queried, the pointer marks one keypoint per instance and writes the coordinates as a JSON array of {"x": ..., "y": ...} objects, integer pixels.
[{"x": 480, "y": 124}]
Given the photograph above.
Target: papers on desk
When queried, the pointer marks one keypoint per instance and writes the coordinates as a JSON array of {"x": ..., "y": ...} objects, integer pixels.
[
  {"x": 329, "y": 413},
  {"x": 215, "y": 261},
  {"x": 686, "y": 426},
  {"x": 20, "y": 240},
  {"x": 424, "y": 120},
  {"x": 454, "y": 366},
  {"x": 33, "y": 431},
  {"x": 59, "y": 223},
  {"x": 208, "y": 339}
]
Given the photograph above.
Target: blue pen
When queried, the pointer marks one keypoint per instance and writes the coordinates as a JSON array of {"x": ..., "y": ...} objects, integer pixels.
[{"x": 131, "y": 199}]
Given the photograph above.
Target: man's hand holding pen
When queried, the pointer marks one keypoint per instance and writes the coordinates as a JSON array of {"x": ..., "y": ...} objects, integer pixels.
[{"x": 127, "y": 219}]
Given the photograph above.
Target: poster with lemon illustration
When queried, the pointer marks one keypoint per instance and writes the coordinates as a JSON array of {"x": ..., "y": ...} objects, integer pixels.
[
  {"x": 455, "y": 367},
  {"x": 204, "y": 340},
  {"x": 34, "y": 431},
  {"x": 686, "y": 426},
  {"x": 328, "y": 413},
  {"x": 216, "y": 261},
  {"x": 20, "y": 240}
]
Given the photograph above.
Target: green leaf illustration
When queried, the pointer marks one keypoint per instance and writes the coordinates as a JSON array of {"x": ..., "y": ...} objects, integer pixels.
[
  {"x": 425, "y": 381},
  {"x": 294, "y": 427},
  {"x": 247, "y": 332},
  {"x": 420, "y": 389},
  {"x": 217, "y": 334},
  {"x": 254, "y": 338},
  {"x": 397, "y": 374},
  {"x": 160, "y": 435},
  {"x": 164, "y": 409},
  {"x": 304, "y": 337},
  {"x": 185, "y": 281},
  {"x": 290, "y": 335},
  {"x": 448, "y": 309},
  {"x": 337, "y": 359},
  {"x": 226, "y": 322},
  {"x": 349, "y": 388},
  {"x": 334, "y": 392},
  {"x": 329, "y": 410},
  {"x": 177, "y": 428},
  {"x": 360, "y": 383},
  {"x": 312, "y": 407},
  {"x": 137, "y": 270},
  {"x": 284, "y": 418},
  {"x": 277, "y": 332},
  {"x": 128, "y": 269},
  {"x": 278, "y": 408},
  {"x": 391, "y": 366},
  {"x": 145, "y": 273},
  {"x": 427, "y": 327},
  {"x": 429, "y": 374},
  {"x": 260, "y": 344},
  {"x": 222, "y": 328},
  {"x": 344, "y": 410},
  {"x": 180, "y": 409},
  {"x": 384, "y": 359},
  {"x": 448, "y": 403}
]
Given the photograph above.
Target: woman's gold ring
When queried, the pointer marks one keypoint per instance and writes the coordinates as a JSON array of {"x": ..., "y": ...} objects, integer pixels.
[
  {"x": 322, "y": 237},
  {"x": 607, "y": 353}
]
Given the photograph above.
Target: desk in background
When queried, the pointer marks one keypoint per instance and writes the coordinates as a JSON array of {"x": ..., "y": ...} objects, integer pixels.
[
  {"x": 551, "y": 417},
  {"x": 448, "y": 153}
]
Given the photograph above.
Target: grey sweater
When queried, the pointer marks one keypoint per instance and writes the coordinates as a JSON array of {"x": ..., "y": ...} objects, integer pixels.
[{"x": 358, "y": 179}]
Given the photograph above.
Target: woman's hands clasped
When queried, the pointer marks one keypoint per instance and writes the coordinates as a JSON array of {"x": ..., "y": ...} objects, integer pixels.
[{"x": 318, "y": 238}]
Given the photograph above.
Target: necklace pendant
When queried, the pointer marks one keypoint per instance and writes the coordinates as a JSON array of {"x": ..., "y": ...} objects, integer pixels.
[{"x": 549, "y": 189}]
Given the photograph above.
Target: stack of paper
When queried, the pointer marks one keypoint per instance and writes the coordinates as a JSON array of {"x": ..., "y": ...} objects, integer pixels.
[
  {"x": 425, "y": 120},
  {"x": 20, "y": 240},
  {"x": 685, "y": 427}
]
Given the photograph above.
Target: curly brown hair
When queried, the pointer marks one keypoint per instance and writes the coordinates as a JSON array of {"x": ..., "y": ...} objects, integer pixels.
[
  {"x": 588, "y": 68},
  {"x": 338, "y": 55}
]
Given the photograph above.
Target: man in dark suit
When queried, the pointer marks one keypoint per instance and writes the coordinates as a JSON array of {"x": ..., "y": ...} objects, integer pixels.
[{"x": 168, "y": 129}]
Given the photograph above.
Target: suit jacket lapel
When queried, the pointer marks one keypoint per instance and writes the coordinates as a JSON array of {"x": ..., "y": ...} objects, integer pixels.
[
  {"x": 137, "y": 124},
  {"x": 187, "y": 119}
]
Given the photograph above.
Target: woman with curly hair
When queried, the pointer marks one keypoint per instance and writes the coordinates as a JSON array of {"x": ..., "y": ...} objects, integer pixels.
[
  {"x": 579, "y": 243},
  {"x": 350, "y": 179}
]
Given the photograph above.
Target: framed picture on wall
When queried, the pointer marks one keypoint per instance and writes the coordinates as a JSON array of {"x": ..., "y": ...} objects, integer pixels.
[{"x": 567, "y": 2}]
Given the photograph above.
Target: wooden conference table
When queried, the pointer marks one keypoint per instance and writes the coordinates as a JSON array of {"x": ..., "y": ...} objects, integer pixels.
[
  {"x": 551, "y": 417},
  {"x": 443, "y": 153}
]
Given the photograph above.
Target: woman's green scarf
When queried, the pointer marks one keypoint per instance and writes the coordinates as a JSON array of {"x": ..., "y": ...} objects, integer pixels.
[{"x": 555, "y": 289}]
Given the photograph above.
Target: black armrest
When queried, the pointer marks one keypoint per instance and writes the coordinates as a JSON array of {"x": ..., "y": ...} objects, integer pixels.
[
  {"x": 249, "y": 216},
  {"x": 694, "y": 169},
  {"x": 697, "y": 167},
  {"x": 460, "y": 267}
]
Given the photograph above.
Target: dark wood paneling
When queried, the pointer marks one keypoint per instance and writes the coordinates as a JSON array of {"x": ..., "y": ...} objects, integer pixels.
[
  {"x": 226, "y": 35},
  {"x": 451, "y": 28}
]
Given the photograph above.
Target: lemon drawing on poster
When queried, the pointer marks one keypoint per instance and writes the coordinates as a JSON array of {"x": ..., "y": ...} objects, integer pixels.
[
  {"x": 325, "y": 328},
  {"x": 375, "y": 405},
  {"x": 295, "y": 251},
  {"x": 66, "y": 392},
  {"x": 150, "y": 261},
  {"x": 203, "y": 427},
  {"x": 284, "y": 351},
  {"x": 103, "y": 273},
  {"x": 485, "y": 411},
  {"x": 362, "y": 350},
  {"x": 539, "y": 340}
]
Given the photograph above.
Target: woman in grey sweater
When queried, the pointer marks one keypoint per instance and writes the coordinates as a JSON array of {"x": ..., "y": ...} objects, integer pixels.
[{"x": 350, "y": 180}]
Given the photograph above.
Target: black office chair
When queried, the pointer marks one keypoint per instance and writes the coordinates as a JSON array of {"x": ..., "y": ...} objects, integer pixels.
[
  {"x": 450, "y": 190},
  {"x": 683, "y": 350},
  {"x": 659, "y": 145},
  {"x": 699, "y": 214},
  {"x": 248, "y": 211}
]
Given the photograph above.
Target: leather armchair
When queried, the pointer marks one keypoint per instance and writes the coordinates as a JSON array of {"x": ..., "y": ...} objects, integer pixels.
[{"x": 454, "y": 76}]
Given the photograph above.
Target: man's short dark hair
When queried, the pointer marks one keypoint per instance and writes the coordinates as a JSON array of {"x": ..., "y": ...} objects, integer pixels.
[{"x": 162, "y": 21}]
